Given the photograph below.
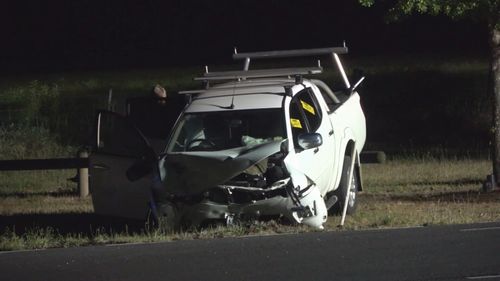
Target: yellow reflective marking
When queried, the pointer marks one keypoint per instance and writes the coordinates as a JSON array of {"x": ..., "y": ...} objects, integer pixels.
[
  {"x": 295, "y": 123},
  {"x": 308, "y": 107}
]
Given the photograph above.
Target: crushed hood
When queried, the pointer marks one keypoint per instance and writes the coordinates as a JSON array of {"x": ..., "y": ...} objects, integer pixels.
[{"x": 195, "y": 172}]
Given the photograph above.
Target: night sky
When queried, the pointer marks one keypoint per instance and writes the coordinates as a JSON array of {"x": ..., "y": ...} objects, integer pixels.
[{"x": 91, "y": 34}]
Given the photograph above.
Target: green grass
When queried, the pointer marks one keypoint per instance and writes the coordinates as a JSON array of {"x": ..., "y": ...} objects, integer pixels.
[
  {"x": 40, "y": 204},
  {"x": 416, "y": 192},
  {"x": 425, "y": 175},
  {"x": 25, "y": 142},
  {"x": 49, "y": 238},
  {"x": 65, "y": 103},
  {"x": 401, "y": 193}
]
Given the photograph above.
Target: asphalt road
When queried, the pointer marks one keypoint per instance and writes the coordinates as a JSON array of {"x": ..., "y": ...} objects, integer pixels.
[{"x": 461, "y": 252}]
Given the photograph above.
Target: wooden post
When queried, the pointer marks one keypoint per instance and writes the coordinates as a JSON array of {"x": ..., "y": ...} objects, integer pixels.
[{"x": 83, "y": 183}]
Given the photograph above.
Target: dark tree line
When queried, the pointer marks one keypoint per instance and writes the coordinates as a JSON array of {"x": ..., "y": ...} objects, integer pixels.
[{"x": 154, "y": 32}]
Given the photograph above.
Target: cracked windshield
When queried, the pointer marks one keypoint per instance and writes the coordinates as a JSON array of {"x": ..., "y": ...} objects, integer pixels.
[{"x": 220, "y": 130}]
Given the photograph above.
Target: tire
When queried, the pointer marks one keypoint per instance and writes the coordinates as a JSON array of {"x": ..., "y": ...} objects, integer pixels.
[
  {"x": 162, "y": 219},
  {"x": 341, "y": 191}
]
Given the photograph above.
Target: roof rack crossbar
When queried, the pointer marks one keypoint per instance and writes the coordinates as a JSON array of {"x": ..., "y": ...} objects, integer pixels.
[
  {"x": 192, "y": 92},
  {"x": 291, "y": 53},
  {"x": 333, "y": 51},
  {"x": 262, "y": 73}
]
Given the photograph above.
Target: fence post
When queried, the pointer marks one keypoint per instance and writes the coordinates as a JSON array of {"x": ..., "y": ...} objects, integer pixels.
[{"x": 83, "y": 183}]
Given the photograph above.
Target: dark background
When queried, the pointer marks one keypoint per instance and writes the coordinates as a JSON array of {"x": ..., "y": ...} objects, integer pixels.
[
  {"x": 426, "y": 86},
  {"x": 52, "y": 35}
]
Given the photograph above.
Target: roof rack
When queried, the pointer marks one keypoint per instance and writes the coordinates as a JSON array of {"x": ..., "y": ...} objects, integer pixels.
[
  {"x": 192, "y": 92},
  {"x": 260, "y": 73},
  {"x": 276, "y": 72},
  {"x": 333, "y": 51},
  {"x": 290, "y": 53}
]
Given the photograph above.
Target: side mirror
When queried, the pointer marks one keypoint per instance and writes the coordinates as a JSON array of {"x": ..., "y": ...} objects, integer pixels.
[{"x": 310, "y": 140}]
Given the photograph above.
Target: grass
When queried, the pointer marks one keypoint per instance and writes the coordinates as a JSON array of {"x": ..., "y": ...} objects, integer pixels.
[
  {"x": 400, "y": 193},
  {"x": 26, "y": 142},
  {"x": 418, "y": 192},
  {"x": 65, "y": 103},
  {"x": 41, "y": 204},
  {"x": 42, "y": 238}
]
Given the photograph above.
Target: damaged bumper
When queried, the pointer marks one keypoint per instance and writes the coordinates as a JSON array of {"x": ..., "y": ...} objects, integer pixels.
[
  {"x": 238, "y": 184},
  {"x": 226, "y": 202}
]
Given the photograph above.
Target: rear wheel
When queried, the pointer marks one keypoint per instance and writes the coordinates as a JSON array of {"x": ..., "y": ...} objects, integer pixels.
[{"x": 344, "y": 188}]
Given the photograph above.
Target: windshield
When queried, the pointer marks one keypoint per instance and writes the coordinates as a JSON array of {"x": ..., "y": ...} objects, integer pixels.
[{"x": 210, "y": 131}]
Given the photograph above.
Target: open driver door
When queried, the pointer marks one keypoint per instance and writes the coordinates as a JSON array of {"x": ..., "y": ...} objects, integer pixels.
[{"x": 121, "y": 164}]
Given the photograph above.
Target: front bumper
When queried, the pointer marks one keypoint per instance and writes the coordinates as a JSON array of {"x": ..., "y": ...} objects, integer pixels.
[{"x": 228, "y": 202}]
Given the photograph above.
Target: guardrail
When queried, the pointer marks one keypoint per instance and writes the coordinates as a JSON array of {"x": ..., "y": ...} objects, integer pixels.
[{"x": 81, "y": 163}]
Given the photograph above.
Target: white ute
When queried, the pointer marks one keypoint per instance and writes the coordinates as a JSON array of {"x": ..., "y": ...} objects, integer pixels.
[{"x": 252, "y": 143}]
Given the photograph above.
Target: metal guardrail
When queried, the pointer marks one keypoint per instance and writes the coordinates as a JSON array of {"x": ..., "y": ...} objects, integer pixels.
[
  {"x": 367, "y": 157},
  {"x": 44, "y": 164},
  {"x": 81, "y": 163}
]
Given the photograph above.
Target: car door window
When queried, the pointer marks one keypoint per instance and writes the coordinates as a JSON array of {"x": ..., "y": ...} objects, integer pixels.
[
  {"x": 297, "y": 122},
  {"x": 116, "y": 136},
  {"x": 153, "y": 116},
  {"x": 309, "y": 106},
  {"x": 305, "y": 115}
]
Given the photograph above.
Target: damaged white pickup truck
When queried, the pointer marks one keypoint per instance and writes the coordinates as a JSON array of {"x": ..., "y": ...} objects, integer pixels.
[{"x": 250, "y": 144}]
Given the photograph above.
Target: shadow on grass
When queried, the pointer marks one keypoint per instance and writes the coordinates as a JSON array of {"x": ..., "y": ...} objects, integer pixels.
[
  {"x": 452, "y": 182},
  {"x": 456, "y": 182},
  {"x": 470, "y": 196},
  {"x": 66, "y": 193},
  {"x": 70, "y": 223}
]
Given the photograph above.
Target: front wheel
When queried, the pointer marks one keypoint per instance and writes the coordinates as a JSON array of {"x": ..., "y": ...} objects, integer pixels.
[
  {"x": 345, "y": 188},
  {"x": 162, "y": 218}
]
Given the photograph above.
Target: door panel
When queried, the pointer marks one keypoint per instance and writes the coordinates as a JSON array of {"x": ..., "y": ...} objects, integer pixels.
[
  {"x": 118, "y": 146},
  {"x": 316, "y": 163},
  {"x": 112, "y": 192}
]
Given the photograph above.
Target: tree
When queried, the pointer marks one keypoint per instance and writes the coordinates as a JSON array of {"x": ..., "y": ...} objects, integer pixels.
[{"x": 486, "y": 12}]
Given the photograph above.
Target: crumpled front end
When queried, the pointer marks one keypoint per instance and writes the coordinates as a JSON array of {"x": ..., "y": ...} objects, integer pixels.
[{"x": 240, "y": 184}]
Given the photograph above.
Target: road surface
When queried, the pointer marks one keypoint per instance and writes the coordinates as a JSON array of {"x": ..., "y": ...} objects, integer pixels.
[{"x": 460, "y": 252}]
